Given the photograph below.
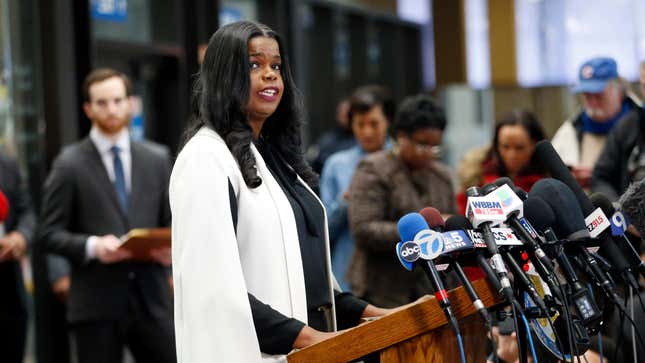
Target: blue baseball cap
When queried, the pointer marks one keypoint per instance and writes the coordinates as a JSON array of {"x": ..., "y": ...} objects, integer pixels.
[{"x": 594, "y": 75}]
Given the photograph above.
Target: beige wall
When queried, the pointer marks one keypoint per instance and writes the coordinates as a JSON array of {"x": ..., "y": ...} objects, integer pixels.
[
  {"x": 552, "y": 105},
  {"x": 386, "y": 6}
]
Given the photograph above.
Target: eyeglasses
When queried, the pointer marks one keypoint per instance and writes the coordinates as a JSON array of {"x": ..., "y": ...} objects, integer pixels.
[{"x": 434, "y": 150}]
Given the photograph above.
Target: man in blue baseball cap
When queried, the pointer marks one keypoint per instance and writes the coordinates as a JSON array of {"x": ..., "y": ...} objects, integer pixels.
[
  {"x": 605, "y": 101},
  {"x": 622, "y": 162}
]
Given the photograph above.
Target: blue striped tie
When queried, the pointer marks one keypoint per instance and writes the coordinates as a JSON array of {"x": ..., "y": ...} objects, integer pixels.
[{"x": 119, "y": 179}]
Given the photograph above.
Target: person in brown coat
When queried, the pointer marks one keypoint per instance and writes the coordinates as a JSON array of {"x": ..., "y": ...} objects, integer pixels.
[{"x": 386, "y": 186}]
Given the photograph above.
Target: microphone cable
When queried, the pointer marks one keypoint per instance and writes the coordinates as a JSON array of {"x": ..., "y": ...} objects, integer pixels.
[
  {"x": 631, "y": 310},
  {"x": 515, "y": 306},
  {"x": 461, "y": 348},
  {"x": 529, "y": 338},
  {"x": 600, "y": 349},
  {"x": 640, "y": 299},
  {"x": 518, "y": 273},
  {"x": 620, "y": 335},
  {"x": 573, "y": 348},
  {"x": 624, "y": 314}
]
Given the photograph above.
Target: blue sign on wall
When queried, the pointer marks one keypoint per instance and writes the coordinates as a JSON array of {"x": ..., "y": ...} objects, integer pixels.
[{"x": 110, "y": 10}]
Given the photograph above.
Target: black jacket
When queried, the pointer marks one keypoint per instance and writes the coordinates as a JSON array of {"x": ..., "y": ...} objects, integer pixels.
[
  {"x": 79, "y": 200},
  {"x": 611, "y": 176},
  {"x": 21, "y": 218}
]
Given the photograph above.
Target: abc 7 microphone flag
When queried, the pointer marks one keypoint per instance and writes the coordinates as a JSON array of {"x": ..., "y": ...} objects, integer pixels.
[{"x": 427, "y": 245}]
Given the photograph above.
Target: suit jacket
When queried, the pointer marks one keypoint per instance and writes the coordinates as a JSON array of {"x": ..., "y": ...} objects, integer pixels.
[
  {"x": 79, "y": 200},
  {"x": 21, "y": 218}
]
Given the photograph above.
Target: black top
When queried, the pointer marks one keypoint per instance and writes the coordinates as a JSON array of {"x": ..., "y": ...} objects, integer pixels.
[{"x": 276, "y": 332}]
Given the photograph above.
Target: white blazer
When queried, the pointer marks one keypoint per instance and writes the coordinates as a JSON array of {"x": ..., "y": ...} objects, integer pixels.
[{"x": 213, "y": 269}]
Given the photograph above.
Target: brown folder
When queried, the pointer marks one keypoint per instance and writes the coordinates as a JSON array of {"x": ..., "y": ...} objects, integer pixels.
[{"x": 141, "y": 240}]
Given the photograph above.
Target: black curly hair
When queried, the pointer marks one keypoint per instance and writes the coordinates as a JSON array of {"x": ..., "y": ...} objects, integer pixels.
[
  {"x": 221, "y": 92},
  {"x": 418, "y": 112}
]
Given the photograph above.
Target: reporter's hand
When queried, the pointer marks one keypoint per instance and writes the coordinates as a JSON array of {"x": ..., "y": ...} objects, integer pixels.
[
  {"x": 162, "y": 256},
  {"x": 507, "y": 346},
  {"x": 12, "y": 246},
  {"x": 106, "y": 250},
  {"x": 60, "y": 288},
  {"x": 309, "y": 336}
]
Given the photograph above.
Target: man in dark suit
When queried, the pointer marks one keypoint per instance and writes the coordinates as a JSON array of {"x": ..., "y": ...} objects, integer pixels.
[
  {"x": 98, "y": 189},
  {"x": 14, "y": 236}
]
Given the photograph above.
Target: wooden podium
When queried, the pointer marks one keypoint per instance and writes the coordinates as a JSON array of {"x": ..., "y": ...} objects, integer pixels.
[{"x": 418, "y": 333}]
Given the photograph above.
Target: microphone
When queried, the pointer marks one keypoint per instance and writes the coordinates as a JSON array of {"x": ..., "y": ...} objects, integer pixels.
[
  {"x": 457, "y": 222},
  {"x": 413, "y": 228},
  {"x": 551, "y": 161},
  {"x": 542, "y": 216},
  {"x": 618, "y": 227},
  {"x": 433, "y": 217},
  {"x": 521, "y": 227},
  {"x": 4, "y": 211},
  {"x": 434, "y": 220},
  {"x": 632, "y": 203},
  {"x": 483, "y": 212},
  {"x": 546, "y": 155},
  {"x": 502, "y": 190},
  {"x": 570, "y": 223}
]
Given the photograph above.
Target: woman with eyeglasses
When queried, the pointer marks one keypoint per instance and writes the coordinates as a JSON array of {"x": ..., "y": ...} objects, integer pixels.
[
  {"x": 510, "y": 155},
  {"x": 387, "y": 185}
]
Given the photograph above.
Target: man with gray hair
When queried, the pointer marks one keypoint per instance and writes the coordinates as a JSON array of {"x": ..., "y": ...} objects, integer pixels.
[
  {"x": 623, "y": 160},
  {"x": 605, "y": 100}
]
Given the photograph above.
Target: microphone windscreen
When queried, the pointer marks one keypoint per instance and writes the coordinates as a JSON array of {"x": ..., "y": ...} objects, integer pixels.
[
  {"x": 499, "y": 182},
  {"x": 539, "y": 213},
  {"x": 504, "y": 180},
  {"x": 433, "y": 217},
  {"x": 632, "y": 204},
  {"x": 411, "y": 224},
  {"x": 570, "y": 222},
  {"x": 521, "y": 193},
  {"x": 457, "y": 222},
  {"x": 546, "y": 155},
  {"x": 4, "y": 207},
  {"x": 485, "y": 189},
  {"x": 599, "y": 200}
]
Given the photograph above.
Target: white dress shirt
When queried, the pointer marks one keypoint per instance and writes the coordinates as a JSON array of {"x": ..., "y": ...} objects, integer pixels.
[{"x": 103, "y": 144}]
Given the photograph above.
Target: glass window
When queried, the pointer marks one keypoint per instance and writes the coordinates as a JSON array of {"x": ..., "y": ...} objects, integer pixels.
[
  {"x": 477, "y": 44},
  {"x": 234, "y": 10},
  {"x": 554, "y": 37},
  {"x": 21, "y": 124},
  {"x": 141, "y": 21}
]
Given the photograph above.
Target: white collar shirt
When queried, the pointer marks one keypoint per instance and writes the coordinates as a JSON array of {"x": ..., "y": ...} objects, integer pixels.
[{"x": 104, "y": 144}]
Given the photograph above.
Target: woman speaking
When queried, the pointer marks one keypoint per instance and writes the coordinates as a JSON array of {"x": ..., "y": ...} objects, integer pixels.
[{"x": 250, "y": 241}]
